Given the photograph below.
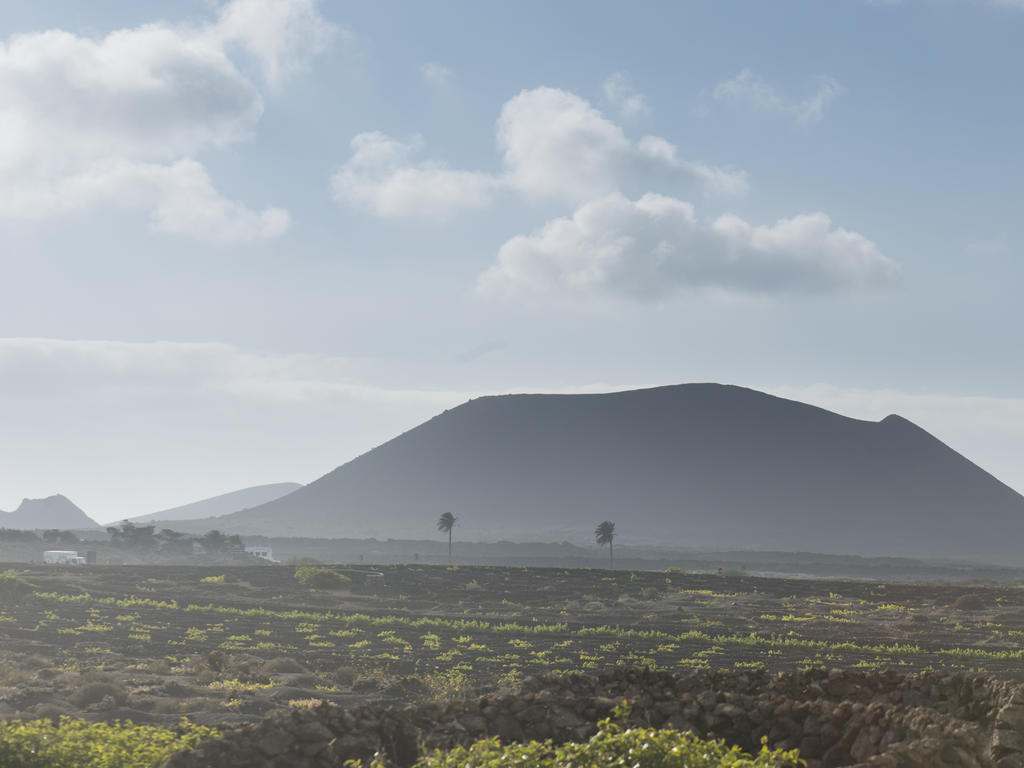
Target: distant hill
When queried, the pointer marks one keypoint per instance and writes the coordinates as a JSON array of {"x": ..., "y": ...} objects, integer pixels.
[
  {"x": 698, "y": 465},
  {"x": 222, "y": 505},
  {"x": 52, "y": 512}
]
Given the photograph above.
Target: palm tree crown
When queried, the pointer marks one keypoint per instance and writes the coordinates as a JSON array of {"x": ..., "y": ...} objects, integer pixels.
[
  {"x": 605, "y": 533},
  {"x": 445, "y": 523}
]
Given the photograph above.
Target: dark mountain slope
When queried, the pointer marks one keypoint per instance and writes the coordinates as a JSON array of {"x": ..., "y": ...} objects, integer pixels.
[
  {"x": 52, "y": 512},
  {"x": 703, "y": 465}
]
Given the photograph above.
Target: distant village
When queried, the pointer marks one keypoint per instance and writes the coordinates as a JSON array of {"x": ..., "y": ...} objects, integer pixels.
[{"x": 127, "y": 543}]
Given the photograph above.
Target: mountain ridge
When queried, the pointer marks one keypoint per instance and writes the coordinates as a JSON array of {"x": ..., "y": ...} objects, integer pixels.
[
  {"x": 56, "y": 511},
  {"x": 698, "y": 465},
  {"x": 222, "y": 504}
]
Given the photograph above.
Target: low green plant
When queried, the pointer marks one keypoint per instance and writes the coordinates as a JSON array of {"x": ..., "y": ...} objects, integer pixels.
[
  {"x": 612, "y": 745},
  {"x": 74, "y": 743},
  {"x": 14, "y": 590},
  {"x": 448, "y": 684},
  {"x": 321, "y": 578}
]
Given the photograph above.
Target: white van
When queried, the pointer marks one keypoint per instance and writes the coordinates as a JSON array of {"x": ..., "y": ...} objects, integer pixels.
[{"x": 62, "y": 557}]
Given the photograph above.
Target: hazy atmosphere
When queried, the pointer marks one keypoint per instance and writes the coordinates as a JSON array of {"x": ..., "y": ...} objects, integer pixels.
[
  {"x": 474, "y": 384},
  {"x": 244, "y": 242}
]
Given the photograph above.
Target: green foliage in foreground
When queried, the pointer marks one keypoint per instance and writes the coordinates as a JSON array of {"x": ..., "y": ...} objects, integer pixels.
[
  {"x": 321, "y": 578},
  {"x": 612, "y": 747},
  {"x": 75, "y": 743},
  {"x": 14, "y": 589}
]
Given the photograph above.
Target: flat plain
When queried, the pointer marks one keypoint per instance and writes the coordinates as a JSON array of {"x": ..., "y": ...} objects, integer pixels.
[{"x": 229, "y": 644}]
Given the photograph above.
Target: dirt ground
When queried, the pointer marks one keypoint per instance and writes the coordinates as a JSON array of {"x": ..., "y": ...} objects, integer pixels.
[{"x": 229, "y": 644}]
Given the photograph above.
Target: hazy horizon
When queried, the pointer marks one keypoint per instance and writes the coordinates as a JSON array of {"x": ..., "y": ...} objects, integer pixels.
[{"x": 246, "y": 241}]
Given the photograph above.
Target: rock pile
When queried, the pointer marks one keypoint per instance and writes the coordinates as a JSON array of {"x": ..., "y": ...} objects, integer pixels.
[{"x": 836, "y": 718}]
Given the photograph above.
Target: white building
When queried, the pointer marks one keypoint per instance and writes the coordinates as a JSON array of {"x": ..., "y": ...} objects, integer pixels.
[{"x": 263, "y": 552}]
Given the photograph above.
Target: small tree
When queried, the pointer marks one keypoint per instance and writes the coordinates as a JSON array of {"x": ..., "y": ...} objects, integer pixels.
[
  {"x": 214, "y": 541},
  {"x": 445, "y": 523},
  {"x": 57, "y": 536},
  {"x": 175, "y": 542},
  {"x": 133, "y": 536},
  {"x": 605, "y": 533}
]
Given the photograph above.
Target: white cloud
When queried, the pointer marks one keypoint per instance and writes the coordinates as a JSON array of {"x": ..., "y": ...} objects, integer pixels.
[
  {"x": 657, "y": 246},
  {"x": 554, "y": 145},
  {"x": 379, "y": 178},
  {"x": 627, "y": 100},
  {"x": 437, "y": 75},
  {"x": 749, "y": 90},
  {"x": 118, "y": 120},
  {"x": 283, "y": 35}
]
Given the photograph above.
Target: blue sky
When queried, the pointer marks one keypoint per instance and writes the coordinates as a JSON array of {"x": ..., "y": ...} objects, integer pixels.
[{"x": 243, "y": 242}]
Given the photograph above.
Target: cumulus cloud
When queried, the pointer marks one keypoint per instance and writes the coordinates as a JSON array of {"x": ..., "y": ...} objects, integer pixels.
[
  {"x": 749, "y": 90},
  {"x": 657, "y": 246},
  {"x": 284, "y": 35},
  {"x": 554, "y": 145},
  {"x": 119, "y": 119},
  {"x": 381, "y": 178},
  {"x": 627, "y": 100}
]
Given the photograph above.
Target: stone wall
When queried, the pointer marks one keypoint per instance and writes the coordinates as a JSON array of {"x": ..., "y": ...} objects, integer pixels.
[{"x": 835, "y": 718}]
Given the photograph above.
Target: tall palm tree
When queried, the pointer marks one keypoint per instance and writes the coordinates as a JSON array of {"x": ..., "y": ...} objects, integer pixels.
[
  {"x": 605, "y": 532},
  {"x": 445, "y": 523}
]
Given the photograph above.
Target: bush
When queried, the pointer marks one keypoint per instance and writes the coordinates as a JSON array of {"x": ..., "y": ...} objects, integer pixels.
[
  {"x": 345, "y": 676},
  {"x": 74, "y": 743},
  {"x": 96, "y": 691},
  {"x": 612, "y": 746},
  {"x": 14, "y": 589},
  {"x": 321, "y": 578},
  {"x": 283, "y": 665},
  {"x": 969, "y": 602}
]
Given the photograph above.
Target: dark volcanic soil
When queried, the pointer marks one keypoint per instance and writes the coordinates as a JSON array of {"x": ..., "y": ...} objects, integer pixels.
[{"x": 229, "y": 644}]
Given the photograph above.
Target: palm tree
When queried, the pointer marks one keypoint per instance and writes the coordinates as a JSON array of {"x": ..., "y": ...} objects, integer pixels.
[
  {"x": 605, "y": 532},
  {"x": 445, "y": 523}
]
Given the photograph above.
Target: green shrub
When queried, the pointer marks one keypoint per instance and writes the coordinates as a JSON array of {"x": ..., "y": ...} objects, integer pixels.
[
  {"x": 612, "y": 746},
  {"x": 321, "y": 578},
  {"x": 14, "y": 589},
  {"x": 74, "y": 743},
  {"x": 969, "y": 602},
  {"x": 96, "y": 691},
  {"x": 283, "y": 665}
]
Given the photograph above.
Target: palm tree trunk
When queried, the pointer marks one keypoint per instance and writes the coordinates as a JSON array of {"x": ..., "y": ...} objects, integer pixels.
[
  {"x": 449, "y": 545},
  {"x": 611, "y": 554}
]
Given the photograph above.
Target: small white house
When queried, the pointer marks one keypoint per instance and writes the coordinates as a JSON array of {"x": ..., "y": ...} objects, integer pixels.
[
  {"x": 263, "y": 552},
  {"x": 62, "y": 557}
]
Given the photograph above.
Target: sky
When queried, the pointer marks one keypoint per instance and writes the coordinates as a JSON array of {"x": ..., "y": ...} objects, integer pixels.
[{"x": 244, "y": 242}]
